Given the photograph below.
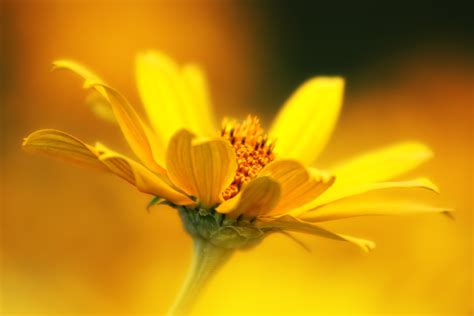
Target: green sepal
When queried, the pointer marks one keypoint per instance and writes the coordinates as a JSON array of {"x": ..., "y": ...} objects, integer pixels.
[
  {"x": 230, "y": 237},
  {"x": 155, "y": 200},
  {"x": 219, "y": 230}
]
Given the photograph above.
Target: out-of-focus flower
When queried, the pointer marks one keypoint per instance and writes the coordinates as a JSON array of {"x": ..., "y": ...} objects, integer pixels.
[{"x": 235, "y": 185}]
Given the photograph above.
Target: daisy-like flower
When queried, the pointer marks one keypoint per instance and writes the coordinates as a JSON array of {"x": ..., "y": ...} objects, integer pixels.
[{"x": 235, "y": 185}]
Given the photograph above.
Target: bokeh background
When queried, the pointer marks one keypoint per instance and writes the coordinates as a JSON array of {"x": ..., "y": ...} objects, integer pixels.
[{"x": 74, "y": 241}]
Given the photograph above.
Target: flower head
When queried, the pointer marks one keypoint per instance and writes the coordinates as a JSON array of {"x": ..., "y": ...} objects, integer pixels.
[{"x": 235, "y": 185}]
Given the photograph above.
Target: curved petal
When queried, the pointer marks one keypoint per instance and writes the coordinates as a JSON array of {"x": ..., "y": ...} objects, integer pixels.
[
  {"x": 214, "y": 166},
  {"x": 347, "y": 208},
  {"x": 366, "y": 199},
  {"x": 196, "y": 81},
  {"x": 178, "y": 161},
  {"x": 143, "y": 179},
  {"x": 332, "y": 196},
  {"x": 202, "y": 169},
  {"x": 60, "y": 145},
  {"x": 63, "y": 146},
  {"x": 77, "y": 68},
  {"x": 174, "y": 97},
  {"x": 381, "y": 164},
  {"x": 95, "y": 100},
  {"x": 306, "y": 121},
  {"x": 291, "y": 223},
  {"x": 298, "y": 186},
  {"x": 258, "y": 197},
  {"x": 133, "y": 128},
  {"x": 135, "y": 131}
]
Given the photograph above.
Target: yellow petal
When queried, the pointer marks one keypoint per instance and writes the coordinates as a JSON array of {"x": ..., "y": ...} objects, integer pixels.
[
  {"x": 332, "y": 195},
  {"x": 214, "y": 166},
  {"x": 62, "y": 146},
  {"x": 306, "y": 121},
  {"x": 178, "y": 161},
  {"x": 143, "y": 179},
  {"x": 196, "y": 79},
  {"x": 174, "y": 97},
  {"x": 95, "y": 101},
  {"x": 65, "y": 147},
  {"x": 291, "y": 223},
  {"x": 77, "y": 68},
  {"x": 202, "y": 169},
  {"x": 258, "y": 197},
  {"x": 298, "y": 186},
  {"x": 135, "y": 131},
  {"x": 358, "y": 207},
  {"x": 381, "y": 165},
  {"x": 133, "y": 128}
]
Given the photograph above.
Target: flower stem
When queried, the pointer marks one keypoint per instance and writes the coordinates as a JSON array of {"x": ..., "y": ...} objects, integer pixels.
[{"x": 207, "y": 258}]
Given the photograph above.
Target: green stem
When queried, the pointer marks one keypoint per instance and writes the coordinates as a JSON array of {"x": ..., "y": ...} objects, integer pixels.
[{"x": 207, "y": 258}]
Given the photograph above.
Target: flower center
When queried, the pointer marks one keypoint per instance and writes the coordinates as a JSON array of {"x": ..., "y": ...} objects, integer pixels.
[{"x": 252, "y": 148}]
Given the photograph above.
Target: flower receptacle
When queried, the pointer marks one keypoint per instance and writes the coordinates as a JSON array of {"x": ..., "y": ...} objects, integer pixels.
[{"x": 215, "y": 228}]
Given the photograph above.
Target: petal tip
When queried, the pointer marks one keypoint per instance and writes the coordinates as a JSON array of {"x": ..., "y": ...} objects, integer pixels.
[
  {"x": 24, "y": 141},
  {"x": 328, "y": 81},
  {"x": 59, "y": 64},
  {"x": 368, "y": 246},
  {"x": 420, "y": 148},
  {"x": 429, "y": 185},
  {"x": 55, "y": 65}
]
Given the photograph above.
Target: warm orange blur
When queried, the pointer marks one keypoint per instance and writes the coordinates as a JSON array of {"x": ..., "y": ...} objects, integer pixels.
[{"x": 75, "y": 241}]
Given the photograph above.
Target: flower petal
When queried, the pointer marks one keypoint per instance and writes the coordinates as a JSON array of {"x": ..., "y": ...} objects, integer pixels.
[
  {"x": 258, "y": 197},
  {"x": 331, "y": 196},
  {"x": 306, "y": 121},
  {"x": 133, "y": 128},
  {"x": 135, "y": 131},
  {"x": 381, "y": 165},
  {"x": 202, "y": 169},
  {"x": 367, "y": 199},
  {"x": 291, "y": 223},
  {"x": 174, "y": 97},
  {"x": 359, "y": 207},
  {"x": 298, "y": 186},
  {"x": 99, "y": 106},
  {"x": 196, "y": 80},
  {"x": 143, "y": 179},
  {"x": 60, "y": 145},
  {"x": 77, "y": 68},
  {"x": 178, "y": 161},
  {"x": 214, "y": 167}
]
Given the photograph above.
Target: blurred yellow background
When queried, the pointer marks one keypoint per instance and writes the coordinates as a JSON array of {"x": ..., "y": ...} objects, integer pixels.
[{"x": 75, "y": 241}]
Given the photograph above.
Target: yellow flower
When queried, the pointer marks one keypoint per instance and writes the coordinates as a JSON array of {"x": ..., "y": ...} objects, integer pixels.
[
  {"x": 239, "y": 170},
  {"x": 234, "y": 185}
]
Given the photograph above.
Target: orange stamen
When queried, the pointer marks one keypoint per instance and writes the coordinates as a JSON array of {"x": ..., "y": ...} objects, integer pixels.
[{"x": 252, "y": 148}]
